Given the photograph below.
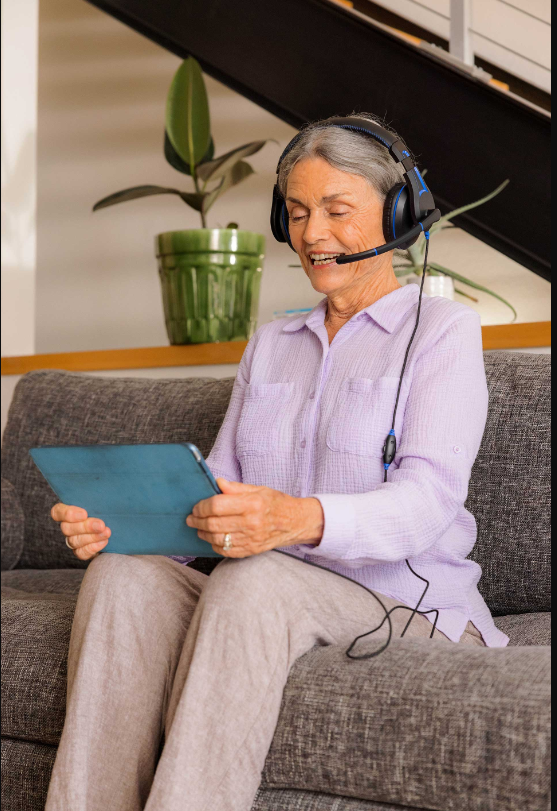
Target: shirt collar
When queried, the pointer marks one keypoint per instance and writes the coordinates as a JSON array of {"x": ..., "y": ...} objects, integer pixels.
[{"x": 387, "y": 312}]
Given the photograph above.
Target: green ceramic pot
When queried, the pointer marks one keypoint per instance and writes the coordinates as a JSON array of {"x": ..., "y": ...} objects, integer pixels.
[{"x": 210, "y": 281}]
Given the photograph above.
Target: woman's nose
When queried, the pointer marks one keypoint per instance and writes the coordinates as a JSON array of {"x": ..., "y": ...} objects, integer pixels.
[{"x": 315, "y": 229}]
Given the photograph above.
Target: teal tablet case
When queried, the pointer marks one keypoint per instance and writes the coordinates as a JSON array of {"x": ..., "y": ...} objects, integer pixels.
[{"x": 142, "y": 492}]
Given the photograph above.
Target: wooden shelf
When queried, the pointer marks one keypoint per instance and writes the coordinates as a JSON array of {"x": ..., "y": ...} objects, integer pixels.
[
  {"x": 501, "y": 336},
  {"x": 150, "y": 357},
  {"x": 517, "y": 336}
]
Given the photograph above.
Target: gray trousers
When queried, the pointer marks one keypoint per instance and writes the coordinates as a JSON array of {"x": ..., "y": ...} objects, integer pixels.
[{"x": 160, "y": 651}]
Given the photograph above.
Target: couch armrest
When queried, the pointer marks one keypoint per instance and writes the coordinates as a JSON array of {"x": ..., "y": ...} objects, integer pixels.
[
  {"x": 425, "y": 724},
  {"x": 13, "y": 526}
]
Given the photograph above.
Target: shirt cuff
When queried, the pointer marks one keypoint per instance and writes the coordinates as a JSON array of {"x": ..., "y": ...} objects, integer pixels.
[
  {"x": 340, "y": 527},
  {"x": 181, "y": 559}
]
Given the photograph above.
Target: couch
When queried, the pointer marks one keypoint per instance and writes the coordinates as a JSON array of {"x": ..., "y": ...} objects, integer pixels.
[{"x": 423, "y": 726}]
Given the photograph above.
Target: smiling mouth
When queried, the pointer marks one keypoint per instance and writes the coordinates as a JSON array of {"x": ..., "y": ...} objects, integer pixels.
[{"x": 323, "y": 259}]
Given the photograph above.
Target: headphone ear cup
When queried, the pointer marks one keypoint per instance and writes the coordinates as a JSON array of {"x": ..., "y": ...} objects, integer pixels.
[
  {"x": 397, "y": 216},
  {"x": 277, "y": 216}
]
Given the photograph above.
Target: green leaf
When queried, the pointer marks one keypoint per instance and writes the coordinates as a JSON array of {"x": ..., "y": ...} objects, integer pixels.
[
  {"x": 133, "y": 194},
  {"x": 439, "y": 224},
  {"x": 212, "y": 170},
  {"x": 193, "y": 199},
  {"x": 404, "y": 271},
  {"x": 187, "y": 113},
  {"x": 176, "y": 161},
  {"x": 470, "y": 283},
  {"x": 238, "y": 172},
  {"x": 466, "y": 295}
]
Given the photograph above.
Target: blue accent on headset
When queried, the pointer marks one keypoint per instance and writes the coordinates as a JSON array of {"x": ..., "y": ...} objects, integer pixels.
[
  {"x": 425, "y": 188},
  {"x": 394, "y": 210},
  {"x": 361, "y": 129}
]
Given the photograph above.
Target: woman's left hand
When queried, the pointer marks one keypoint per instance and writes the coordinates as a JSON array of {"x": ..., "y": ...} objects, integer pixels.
[{"x": 256, "y": 518}]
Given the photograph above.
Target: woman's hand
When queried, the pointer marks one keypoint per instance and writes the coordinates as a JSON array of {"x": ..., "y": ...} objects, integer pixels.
[
  {"x": 86, "y": 536},
  {"x": 257, "y": 519}
]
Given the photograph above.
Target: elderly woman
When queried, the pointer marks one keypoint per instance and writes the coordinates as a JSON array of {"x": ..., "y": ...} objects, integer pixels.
[{"x": 161, "y": 651}]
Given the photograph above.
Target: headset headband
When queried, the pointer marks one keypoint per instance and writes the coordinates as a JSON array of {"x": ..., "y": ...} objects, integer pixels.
[{"x": 421, "y": 199}]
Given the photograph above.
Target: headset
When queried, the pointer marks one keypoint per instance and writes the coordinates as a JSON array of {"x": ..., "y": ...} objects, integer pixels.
[
  {"x": 409, "y": 207},
  {"x": 409, "y": 210}
]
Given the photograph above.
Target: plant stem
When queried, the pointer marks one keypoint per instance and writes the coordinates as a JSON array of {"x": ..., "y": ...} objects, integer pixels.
[{"x": 197, "y": 189}]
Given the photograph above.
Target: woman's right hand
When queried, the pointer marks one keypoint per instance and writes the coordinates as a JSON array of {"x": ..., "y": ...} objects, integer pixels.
[{"x": 86, "y": 536}]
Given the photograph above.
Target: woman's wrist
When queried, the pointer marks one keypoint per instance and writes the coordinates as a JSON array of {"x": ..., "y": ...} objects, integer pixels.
[{"x": 310, "y": 523}]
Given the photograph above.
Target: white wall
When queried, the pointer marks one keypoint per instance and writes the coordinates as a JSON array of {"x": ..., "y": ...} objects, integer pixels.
[
  {"x": 102, "y": 90},
  {"x": 513, "y": 34},
  {"x": 19, "y": 183},
  {"x": 101, "y": 121}
]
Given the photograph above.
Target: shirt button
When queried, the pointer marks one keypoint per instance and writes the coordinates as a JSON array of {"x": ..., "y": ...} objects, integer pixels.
[
  {"x": 457, "y": 449},
  {"x": 312, "y": 395},
  {"x": 303, "y": 443}
]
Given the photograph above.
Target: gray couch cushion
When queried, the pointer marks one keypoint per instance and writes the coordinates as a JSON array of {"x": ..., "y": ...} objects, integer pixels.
[
  {"x": 65, "y": 408},
  {"x": 13, "y": 526},
  {"x": 43, "y": 581},
  {"x": 294, "y": 800},
  {"x": 526, "y": 629},
  {"x": 509, "y": 492},
  {"x": 26, "y": 770},
  {"x": 426, "y": 724},
  {"x": 35, "y": 639}
]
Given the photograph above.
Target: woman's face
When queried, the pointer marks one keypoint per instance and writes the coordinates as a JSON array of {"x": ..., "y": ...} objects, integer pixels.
[{"x": 330, "y": 213}]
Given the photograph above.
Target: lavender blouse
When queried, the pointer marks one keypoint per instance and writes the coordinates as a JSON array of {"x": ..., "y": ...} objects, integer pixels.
[{"x": 310, "y": 419}]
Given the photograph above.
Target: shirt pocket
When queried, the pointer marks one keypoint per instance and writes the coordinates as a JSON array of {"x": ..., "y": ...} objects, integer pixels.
[
  {"x": 363, "y": 416},
  {"x": 259, "y": 427}
]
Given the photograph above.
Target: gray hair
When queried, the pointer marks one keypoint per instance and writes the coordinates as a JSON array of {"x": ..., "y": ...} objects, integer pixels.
[{"x": 351, "y": 152}]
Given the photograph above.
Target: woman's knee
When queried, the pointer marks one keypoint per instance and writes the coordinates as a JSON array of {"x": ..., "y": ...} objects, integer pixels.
[
  {"x": 129, "y": 578},
  {"x": 243, "y": 582}
]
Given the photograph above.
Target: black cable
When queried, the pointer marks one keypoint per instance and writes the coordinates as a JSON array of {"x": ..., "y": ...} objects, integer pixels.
[
  {"x": 414, "y": 611},
  {"x": 413, "y": 333}
]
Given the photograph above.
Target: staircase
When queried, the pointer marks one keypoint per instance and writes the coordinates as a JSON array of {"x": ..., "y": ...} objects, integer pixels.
[{"x": 307, "y": 59}]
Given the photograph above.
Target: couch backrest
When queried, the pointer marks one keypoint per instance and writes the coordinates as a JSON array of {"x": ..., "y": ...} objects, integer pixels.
[
  {"x": 68, "y": 408},
  {"x": 509, "y": 491}
]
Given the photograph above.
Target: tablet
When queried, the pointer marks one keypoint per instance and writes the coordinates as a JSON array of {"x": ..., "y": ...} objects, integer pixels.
[{"x": 142, "y": 492}]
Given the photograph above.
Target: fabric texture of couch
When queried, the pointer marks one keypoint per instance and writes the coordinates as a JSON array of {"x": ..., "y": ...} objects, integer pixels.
[{"x": 424, "y": 726}]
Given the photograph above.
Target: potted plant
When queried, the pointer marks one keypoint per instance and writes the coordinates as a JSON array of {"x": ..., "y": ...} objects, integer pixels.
[
  {"x": 210, "y": 277},
  {"x": 413, "y": 259}
]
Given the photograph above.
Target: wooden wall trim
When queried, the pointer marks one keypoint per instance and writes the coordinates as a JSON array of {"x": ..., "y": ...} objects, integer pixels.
[
  {"x": 142, "y": 358},
  {"x": 517, "y": 336},
  {"x": 501, "y": 336}
]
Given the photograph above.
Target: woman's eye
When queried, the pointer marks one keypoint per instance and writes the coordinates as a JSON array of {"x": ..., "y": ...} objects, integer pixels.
[
  {"x": 338, "y": 213},
  {"x": 297, "y": 218}
]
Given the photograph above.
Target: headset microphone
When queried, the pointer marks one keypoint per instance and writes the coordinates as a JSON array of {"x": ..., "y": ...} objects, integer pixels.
[{"x": 424, "y": 226}]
